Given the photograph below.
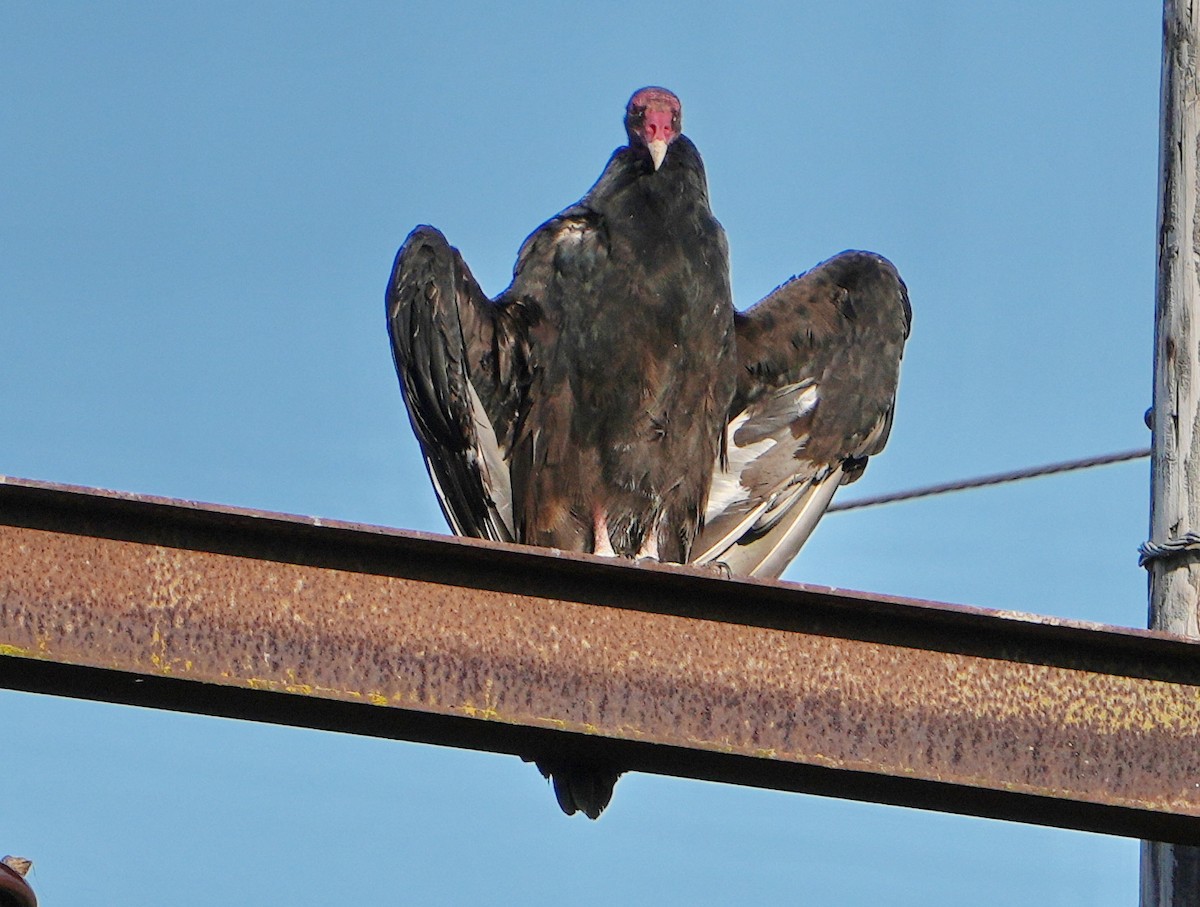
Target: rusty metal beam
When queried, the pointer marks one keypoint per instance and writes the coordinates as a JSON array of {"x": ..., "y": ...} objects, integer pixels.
[{"x": 367, "y": 630}]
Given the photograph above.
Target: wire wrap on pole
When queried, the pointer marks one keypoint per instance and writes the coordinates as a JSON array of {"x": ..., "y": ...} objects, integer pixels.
[{"x": 1154, "y": 551}]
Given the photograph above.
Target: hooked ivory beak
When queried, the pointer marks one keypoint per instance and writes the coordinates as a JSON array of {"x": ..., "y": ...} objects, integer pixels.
[{"x": 658, "y": 151}]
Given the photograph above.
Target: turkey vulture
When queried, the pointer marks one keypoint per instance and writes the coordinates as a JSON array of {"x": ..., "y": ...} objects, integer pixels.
[{"x": 611, "y": 400}]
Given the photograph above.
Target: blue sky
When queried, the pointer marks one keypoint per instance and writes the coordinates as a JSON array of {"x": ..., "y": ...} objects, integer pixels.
[{"x": 199, "y": 208}]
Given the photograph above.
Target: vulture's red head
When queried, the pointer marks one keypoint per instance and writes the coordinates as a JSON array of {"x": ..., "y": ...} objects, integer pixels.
[{"x": 653, "y": 118}]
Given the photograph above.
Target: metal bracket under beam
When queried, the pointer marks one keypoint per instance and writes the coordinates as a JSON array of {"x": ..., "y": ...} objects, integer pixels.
[{"x": 361, "y": 629}]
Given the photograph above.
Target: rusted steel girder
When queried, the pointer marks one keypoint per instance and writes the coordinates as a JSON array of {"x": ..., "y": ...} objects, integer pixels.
[{"x": 374, "y": 631}]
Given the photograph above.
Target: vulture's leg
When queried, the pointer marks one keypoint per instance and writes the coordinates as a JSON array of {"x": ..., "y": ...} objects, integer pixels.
[
  {"x": 601, "y": 543},
  {"x": 649, "y": 549}
]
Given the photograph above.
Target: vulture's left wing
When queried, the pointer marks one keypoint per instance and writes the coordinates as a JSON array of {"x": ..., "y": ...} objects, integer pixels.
[{"x": 819, "y": 363}]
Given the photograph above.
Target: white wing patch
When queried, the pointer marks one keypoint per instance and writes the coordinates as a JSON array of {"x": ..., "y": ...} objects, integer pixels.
[
  {"x": 493, "y": 469},
  {"x": 442, "y": 498},
  {"x": 759, "y": 497},
  {"x": 769, "y": 554},
  {"x": 727, "y": 489}
]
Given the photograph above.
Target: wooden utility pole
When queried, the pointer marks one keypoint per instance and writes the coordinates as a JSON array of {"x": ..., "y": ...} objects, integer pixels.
[{"x": 1171, "y": 874}]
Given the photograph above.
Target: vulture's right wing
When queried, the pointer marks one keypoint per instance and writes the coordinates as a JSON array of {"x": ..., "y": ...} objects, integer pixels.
[
  {"x": 819, "y": 363},
  {"x": 461, "y": 360}
]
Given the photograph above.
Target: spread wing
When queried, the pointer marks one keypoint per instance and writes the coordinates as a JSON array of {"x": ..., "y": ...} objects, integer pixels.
[
  {"x": 461, "y": 360},
  {"x": 819, "y": 364}
]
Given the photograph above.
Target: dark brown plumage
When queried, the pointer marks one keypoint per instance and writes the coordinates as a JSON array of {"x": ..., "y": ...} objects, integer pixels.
[
  {"x": 611, "y": 401},
  {"x": 606, "y": 363},
  {"x": 819, "y": 361}
]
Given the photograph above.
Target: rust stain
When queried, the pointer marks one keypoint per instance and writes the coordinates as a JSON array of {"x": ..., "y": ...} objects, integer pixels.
[
  {"x": 502, "y": 636},
  {"x": 659, "y": 678}
]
